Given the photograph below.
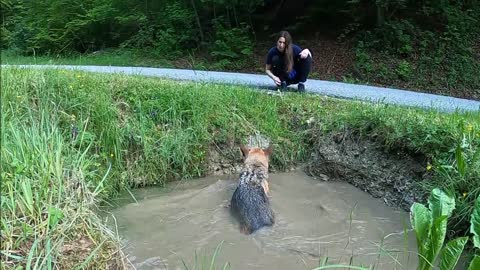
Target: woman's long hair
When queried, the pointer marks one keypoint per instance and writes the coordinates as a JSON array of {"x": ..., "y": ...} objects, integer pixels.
[{"x": 288, "y": 50}]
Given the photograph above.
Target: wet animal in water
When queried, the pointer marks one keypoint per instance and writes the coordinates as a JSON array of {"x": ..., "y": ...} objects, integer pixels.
[{"x": 250, "y": 202}]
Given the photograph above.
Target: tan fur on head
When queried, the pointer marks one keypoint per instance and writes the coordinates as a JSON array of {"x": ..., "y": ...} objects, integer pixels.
[{"x": 258, "y": 157}]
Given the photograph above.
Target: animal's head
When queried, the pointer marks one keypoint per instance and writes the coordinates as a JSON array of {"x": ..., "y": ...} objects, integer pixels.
[{"x": 256, "y": 156}]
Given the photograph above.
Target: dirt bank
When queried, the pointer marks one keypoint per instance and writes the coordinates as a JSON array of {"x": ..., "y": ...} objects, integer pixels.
[
  {"x": 364, "y": 164},
  {"x": 394, "y": 177}
]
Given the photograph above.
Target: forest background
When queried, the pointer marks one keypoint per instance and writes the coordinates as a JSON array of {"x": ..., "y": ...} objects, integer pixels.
[{"x": 429, "y": 46}]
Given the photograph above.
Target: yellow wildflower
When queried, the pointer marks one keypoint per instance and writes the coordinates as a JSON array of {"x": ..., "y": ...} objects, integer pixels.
[
  {"x": 429, "y": 167},
  {"x": 469, "y": 127},
  {"x": 464, "y": 194},
  {"x": 111, "y": 155}
]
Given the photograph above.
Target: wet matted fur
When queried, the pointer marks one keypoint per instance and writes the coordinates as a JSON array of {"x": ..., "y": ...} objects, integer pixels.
[{"x": 250, "y": 203}]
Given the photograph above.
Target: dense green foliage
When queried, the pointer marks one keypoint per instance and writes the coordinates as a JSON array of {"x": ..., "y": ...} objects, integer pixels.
[
  {"x": 167, "y": 28},
  {"x": 436, "y": 48},
  {"x": 429, "y": 45}
]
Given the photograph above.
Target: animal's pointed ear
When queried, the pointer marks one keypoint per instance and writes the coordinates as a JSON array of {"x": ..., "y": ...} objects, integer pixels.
[
  {"x": 244, "y": 150},
  {"x": 269, "y": 150}
]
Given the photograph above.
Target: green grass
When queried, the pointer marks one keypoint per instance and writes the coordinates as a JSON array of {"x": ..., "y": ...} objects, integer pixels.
[
  {"x": 73, "y": 139},
  {"x": 47, "y": 197},
  {"x": 111, "y": 57}
]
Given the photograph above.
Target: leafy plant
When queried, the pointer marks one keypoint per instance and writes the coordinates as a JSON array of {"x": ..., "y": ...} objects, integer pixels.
[
  {"x": 430, "y": 225},
  {"x": 457, "y": 170},
  {"x": 232, "y": 46},
  {"x": 363, "y": 59},
  {"x": 404, "y": 70}
]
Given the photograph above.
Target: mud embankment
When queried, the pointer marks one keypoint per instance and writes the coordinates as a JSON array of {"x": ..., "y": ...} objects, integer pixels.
[{"x": 392, "y": 176}]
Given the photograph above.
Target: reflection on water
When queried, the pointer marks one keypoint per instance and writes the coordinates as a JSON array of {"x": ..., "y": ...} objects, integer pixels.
[{"x": 314, "y": 220}]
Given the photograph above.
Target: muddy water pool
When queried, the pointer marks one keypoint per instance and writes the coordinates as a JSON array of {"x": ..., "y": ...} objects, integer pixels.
[{"x": 168, "y": 228}]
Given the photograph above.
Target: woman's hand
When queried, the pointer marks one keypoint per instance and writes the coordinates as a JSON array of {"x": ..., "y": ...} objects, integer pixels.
[
  {"x": 305, "y": 53},
  {"x": 268, "y": 70},
  {"x": 276, "y": 80}
]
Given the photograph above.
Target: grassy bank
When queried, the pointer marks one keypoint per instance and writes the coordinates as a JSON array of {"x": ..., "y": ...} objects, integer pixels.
[
  {"x": 110, "y": 57},
  {"x": 73, "y": 139}
]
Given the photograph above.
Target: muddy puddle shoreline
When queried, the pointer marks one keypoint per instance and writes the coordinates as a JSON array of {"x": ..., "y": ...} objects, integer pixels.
[
  {"x": 348, "y": 203},
  {"x": 315, "y": 220}
]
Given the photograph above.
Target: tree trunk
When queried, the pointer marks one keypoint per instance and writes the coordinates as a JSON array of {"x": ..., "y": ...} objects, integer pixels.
[
  {"x": 228, "y": 16},
  {"x": 235, "y": 15},
  {"x": 197, "y": 18},
  {"x": 380, "y": 14},
  {"x": 214, "y": 12}
]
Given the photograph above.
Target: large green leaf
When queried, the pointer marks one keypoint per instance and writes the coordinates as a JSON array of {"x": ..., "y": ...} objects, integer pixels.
[
  {"x": 441, "y": 206},
  {"x": 451, "y": 253},
  {"x": 475, "y": 263},
  {"x": 437, "y": 237},
  {"x": 475, "y": 224},
  {"x": 440, "y": 203},
  {"x": 421, "y": 220}
]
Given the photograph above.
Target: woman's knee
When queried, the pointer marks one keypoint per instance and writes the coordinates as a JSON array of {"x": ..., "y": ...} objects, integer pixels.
[
  {"x": 307, "y": 61},
  {"x": 305, "y": 64},
  {"x": 304, "y": 67}
]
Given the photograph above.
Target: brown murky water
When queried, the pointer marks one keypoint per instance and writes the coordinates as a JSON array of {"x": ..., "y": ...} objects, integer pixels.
[{"x": 314, "y": 220}]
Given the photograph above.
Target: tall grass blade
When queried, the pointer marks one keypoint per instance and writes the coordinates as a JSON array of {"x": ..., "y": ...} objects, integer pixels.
[
  {"x": 31, "y": 254},
  {"x": 90, "y": 257},
  {"x": 27, "y": 196},
  {"x": 49, "y": 254},
  {"x": 8, "y": 255},
  {"x": 340, "y": 266},
  {"x": 99, "y": 187},
  {"x": 226, "y": 266},
  {"x": 217, "y": 250},
  {"x": 461, "y": 164}
]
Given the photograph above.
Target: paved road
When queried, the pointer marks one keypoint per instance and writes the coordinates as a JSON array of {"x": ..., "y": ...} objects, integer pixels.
[{"x": 333, "y": 89}]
